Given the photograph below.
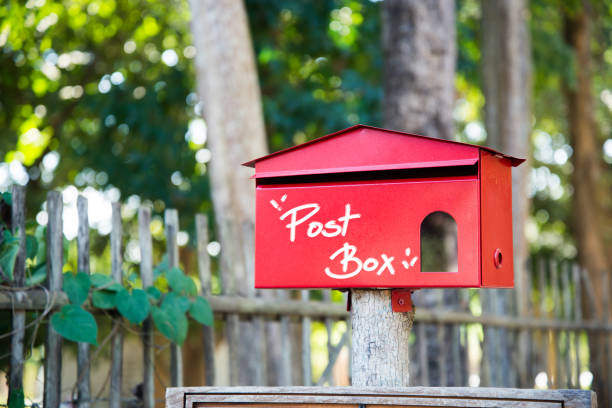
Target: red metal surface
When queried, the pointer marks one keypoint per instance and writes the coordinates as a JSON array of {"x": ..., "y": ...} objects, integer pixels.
[
  {"x": 330, "y": 232},
  {"x": 496, "y": 222},
  {"x": 361, "y": 233},
  {"x": 401, "y": 300},
  {"x": 364, "y": 148}
]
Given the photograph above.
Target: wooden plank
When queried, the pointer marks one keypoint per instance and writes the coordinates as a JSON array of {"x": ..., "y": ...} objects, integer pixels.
[
  {"x": 55, "y": 264},
  {"x": 116, "y": 238},
  {"x": 326, "y": 376},
  {"x": 423, "y": 358},
  {"x": 606, "y": 340},
  {"x": 555, "y": 348},
  {"x": 443, "y": 355},
  {"x": 458, "y": 376},
  {"x": 382, "y": 396},
  {"x": 83, "y": 364},
  {"x": 18, "y": 215},
  {"x": 286, "y": 346},
  {"x": 203, "y": 260},
  {"x": 567, "y": 315},
  {"x": 328, "y": 329},
  {"x": 252, "y": 340},
  {"x": 172, "y": 229},
  {"x": 525, "y": 371},
  {"x": 542, "y": 287},
  {"x": 146, "y": 274},
  {"x": 271, "y": 309},
  {"x": 306, "y": 331},
  {"x": 577, "y": 318}
]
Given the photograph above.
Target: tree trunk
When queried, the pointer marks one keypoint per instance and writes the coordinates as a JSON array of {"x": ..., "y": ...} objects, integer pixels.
[
  {"x": 587, "y": 211},
  {"x": 419, "y": 51},
  {"x": 506, "y": 86},
  {"x": 229, "y": 90}
]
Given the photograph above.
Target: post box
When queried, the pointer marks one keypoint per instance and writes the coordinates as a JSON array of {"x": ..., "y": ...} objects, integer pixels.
[{"x": 346, "y": 210}]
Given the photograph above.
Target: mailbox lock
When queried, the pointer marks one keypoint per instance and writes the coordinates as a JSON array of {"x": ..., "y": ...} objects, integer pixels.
[{"x": 497, "y": 258}]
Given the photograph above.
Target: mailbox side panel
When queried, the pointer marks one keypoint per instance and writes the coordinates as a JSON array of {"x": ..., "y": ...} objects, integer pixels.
[
  {"x": 361, "y": 234},
  {"x": 496, "y": 221}
]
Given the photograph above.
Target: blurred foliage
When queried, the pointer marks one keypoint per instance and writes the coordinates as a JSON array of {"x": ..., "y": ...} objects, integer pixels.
[
  {"x": 87, "y": 80},
  {"x": 101, "y": 94}
]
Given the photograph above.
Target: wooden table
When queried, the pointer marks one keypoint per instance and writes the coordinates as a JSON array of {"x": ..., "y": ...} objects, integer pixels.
[{"x": 375, "y": 397}]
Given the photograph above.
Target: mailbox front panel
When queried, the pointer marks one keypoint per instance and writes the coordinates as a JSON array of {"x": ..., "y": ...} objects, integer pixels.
[{"x": 361, "y": 233}]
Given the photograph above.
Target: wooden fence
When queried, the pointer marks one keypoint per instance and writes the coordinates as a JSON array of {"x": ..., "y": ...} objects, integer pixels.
[{"x": 269, "y": 333}]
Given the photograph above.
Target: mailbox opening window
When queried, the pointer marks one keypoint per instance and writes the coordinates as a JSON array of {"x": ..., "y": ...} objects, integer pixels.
[{"x": 439, "y": 243}]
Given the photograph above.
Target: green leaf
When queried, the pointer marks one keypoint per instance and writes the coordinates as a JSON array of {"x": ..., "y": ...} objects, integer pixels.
[
  {"x": 103, "y": 299},
  {"x": 41, "y": 237},
  {"x": 200, "y": 310},
  {"x": 38, "y": 275},
  {"x": 177, "y": 301},
  {"x": 133, "y": 306},
  {"x": 161, "y": 268},
  {"x": 16, "y": 398},
  {"x": 171, "y": 322},
  {"x": 8, "y": 255},
  {"x": 7, "y": 197},
  {"x": 153, "y": 292},
  {"x": 105, "y": 282},
  {"x": 76, "y": 324},
  {"x": 31, "y": 246},
  {"x": 76, "y": 287},
  {"x": 98, "y": 279},
  {"x": 180, "y": 283},
  {"x": 175, "y": 279}
]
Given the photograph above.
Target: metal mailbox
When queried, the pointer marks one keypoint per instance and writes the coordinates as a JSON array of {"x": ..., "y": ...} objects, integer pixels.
[{"x": 345, "y": 211}]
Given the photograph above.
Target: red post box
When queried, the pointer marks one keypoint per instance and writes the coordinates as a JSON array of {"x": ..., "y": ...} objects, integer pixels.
[{"x": 345, "y": 211}]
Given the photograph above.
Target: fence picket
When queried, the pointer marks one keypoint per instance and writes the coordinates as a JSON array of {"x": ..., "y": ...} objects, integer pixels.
[
  {"x": 306, "y": 326},
  {"x": 116, "y": 378},
  {"x": 423, "y": 357},
  {"x": 552, "y": 338},
  {"x": 83, "y": 382},
  {"x": 567, "y": 311},
  {"x": 208, "y": 333},
  {"x": 557, "y": 312},
  {"x": 146, "y": 275},
  {"x": 542, "y": 287},
  {"x": 19, "y": 316},
  {"x": 578, "y": 318},
  {"x": 55, "y": 264},
  {"x": 172, "y": 229}
]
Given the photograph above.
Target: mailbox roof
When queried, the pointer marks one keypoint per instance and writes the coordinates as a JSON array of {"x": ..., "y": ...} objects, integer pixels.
[{"x": 367, "y": 148}]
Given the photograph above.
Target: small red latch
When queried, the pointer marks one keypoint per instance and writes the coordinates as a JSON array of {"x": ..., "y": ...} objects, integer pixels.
[{"x": 401, "y": 300}]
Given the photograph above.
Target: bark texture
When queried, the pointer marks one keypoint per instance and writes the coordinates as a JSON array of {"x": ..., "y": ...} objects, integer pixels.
[
  {"x": 380, "y": 340},
  {"x": 228, "y": 88},
  {"x": 419, "y": 50},
  {"x": 506, "y": 80},
  {"x": 588, "y": 213}
]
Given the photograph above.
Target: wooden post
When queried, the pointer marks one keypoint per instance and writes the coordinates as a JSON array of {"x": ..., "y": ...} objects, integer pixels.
[
  {"x": 172, "y": 228},
  {"x": 146, "y": 274},
  {"x": 380, "y": 340},
  {"x": 84, "y": 392},
  {"x": 117, "y": 341},
  {"x": 55, "y": 263},
  {"x": 208, "y": 333},
  {"x": 306, "y": 325},
  {"x": 19, "y": 316}
]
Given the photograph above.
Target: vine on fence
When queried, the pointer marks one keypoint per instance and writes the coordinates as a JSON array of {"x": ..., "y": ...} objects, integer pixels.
[{"x": 169, "y": 302}]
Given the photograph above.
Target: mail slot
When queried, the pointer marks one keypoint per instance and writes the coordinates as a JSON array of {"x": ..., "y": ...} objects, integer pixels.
[{"x": 346, "y": 210}]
